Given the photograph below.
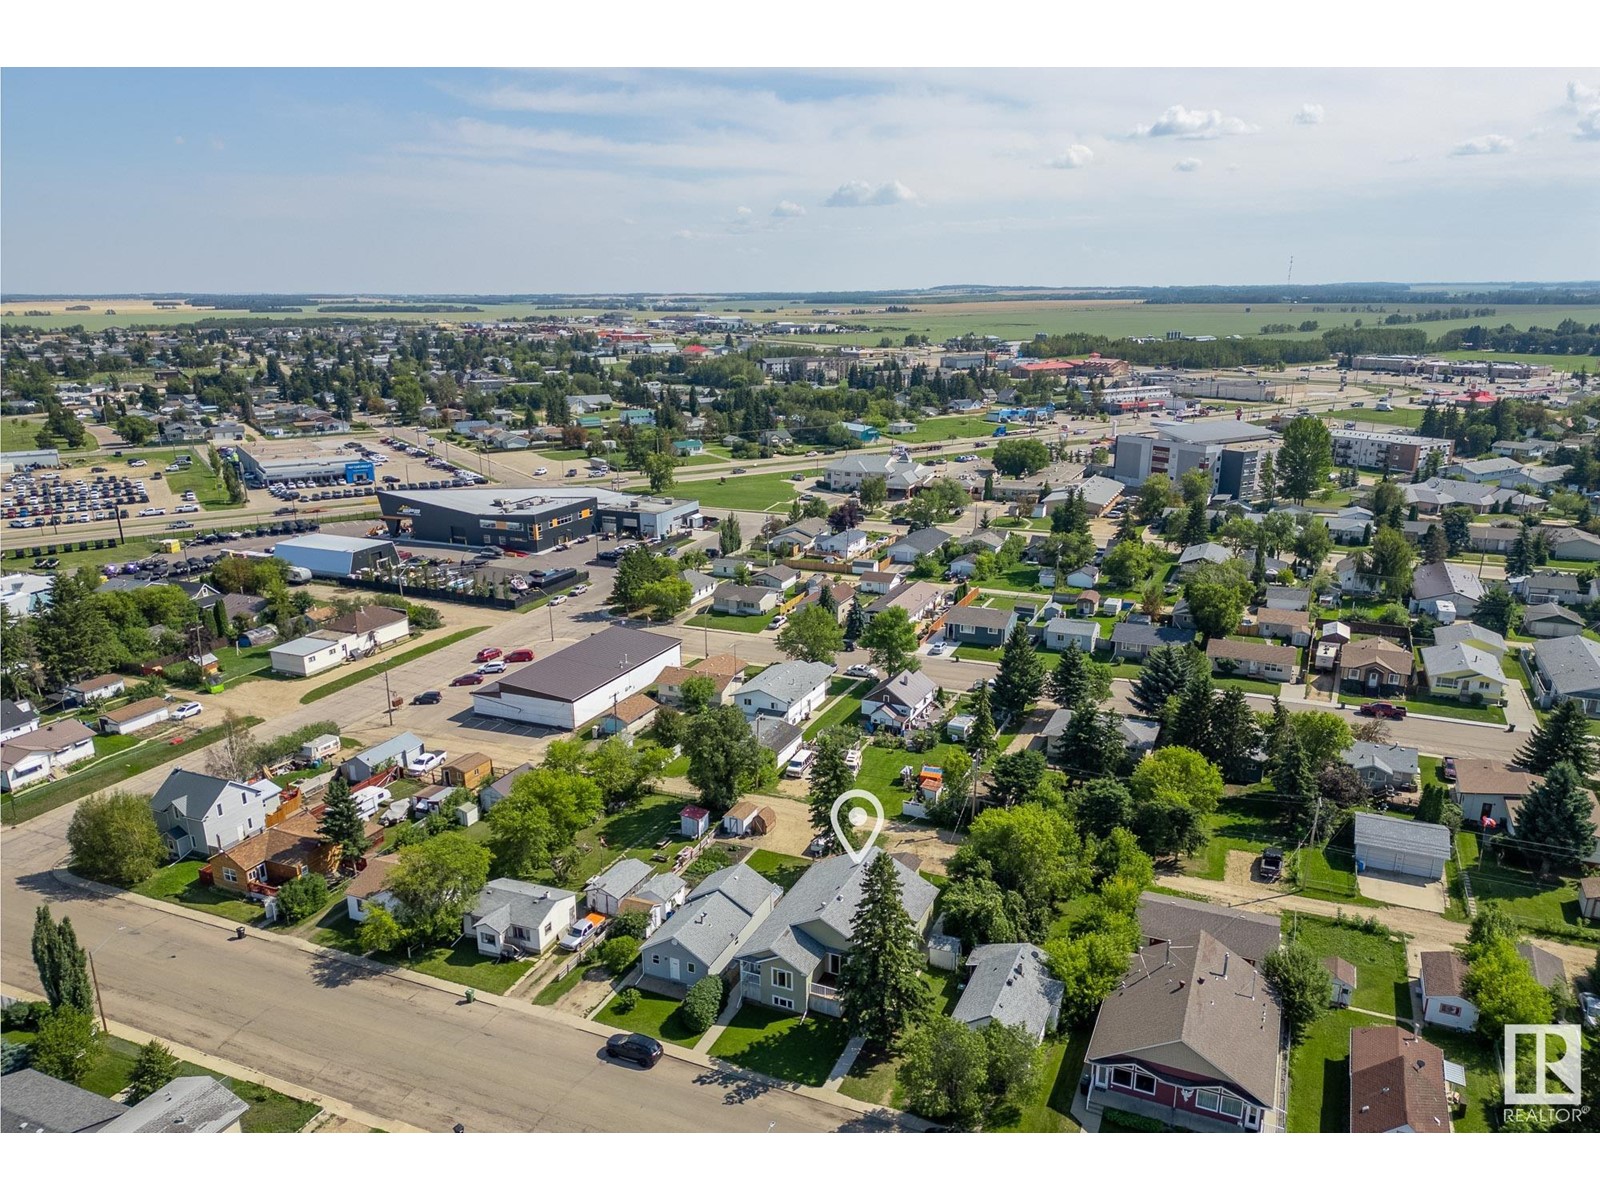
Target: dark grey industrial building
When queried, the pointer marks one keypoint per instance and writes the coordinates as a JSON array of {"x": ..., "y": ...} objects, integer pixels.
[{"x": 531, "y": 518}]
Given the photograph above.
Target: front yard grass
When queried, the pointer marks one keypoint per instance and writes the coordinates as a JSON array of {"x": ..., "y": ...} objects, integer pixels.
[
  {"x": 751, "y": 624},
  {"x": 463, "y": 964},
  {"x": 1436, "y": 706},
  {"x": 1383, "y": 983},
  {"x": 654, "y": 1015},
  {"x": 1261, "y": 687},
  {"x": 180, "y": 884},
  {"x": 800, "y": 1049},
  {"x": 1048, "y": 1109}
]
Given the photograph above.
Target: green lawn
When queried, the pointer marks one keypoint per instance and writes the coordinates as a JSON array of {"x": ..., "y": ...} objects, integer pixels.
[
  {"x": 1319, "y": 1074},
  {"x": 751, "y": 493},
  {"x": 1019, "y": 578},
  {"x": 1409, "y": 416},
  {"x": 880, "y": 772},
  {"x": 1260, "y": 687},
  {"x": 180, "y": 884},
  {"x": 781, "y": 869},
  {"x": 373, "y": 670},
  {"x": 464, "y": 965},
  {"x": 1436, "y": 706},
  {"x": 1329, "y": 874},
  {"x": 801, "y": 1049},
  {"x": 656, "y": 1016},
  {"x": 269, "y": 1111},
  {"x": 97, "y": 775},
  {"x": 1383, "y": 983},
  {"x": 1485, "y": 1088},
  {"x": 751, "y": 624},
  {"x": 1048, "y": 1109},
  {"x": 846, "y": 710},
  {"x": 1517, "y": 891},
  {"x": 239, "y": 665},
  {"x": 940, "y": 429},
  {"x": 1240, "y": 823}
]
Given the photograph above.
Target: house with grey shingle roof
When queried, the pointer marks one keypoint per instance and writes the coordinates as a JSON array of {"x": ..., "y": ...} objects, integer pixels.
[
  {"x": 707, "y": 930},
  {"x": 1551, "y": 621},
  {"x": 1010, "y": 983},
  {"x": 607, "y": 890},
  {"x": 1567, "y": 668},
  {"x": 1135, "y": 641},
  {"x": 1380, "y": 766},
  {"x": 1438, "y": 583},
  {"x": 974, "y": 626},
  {"x": 791, "y": 691},
  {"x": 1464, "y": 671},
  {"x": 792, "y": 961},
  {"x": 187, "y": 1104},
  {"x": 33, "y": 1102},
  {"x": 511, "y": 914}
]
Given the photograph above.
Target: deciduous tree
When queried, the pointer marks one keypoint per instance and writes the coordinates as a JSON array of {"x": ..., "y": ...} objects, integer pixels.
[
  {"x": 1302, "y": 984},
  {"x": 812, "y": 635},
  {"x": 114, "y": 839},
  {"x": 436, "y": 882},
  {"x": 725, "y": 760},
  {"x": 891, "y": 640}
]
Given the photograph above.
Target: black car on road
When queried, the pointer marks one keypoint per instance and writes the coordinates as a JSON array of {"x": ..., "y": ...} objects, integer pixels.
[
  {"x": 635, "y": 1047},
  {"x": 428, "y": 698}
]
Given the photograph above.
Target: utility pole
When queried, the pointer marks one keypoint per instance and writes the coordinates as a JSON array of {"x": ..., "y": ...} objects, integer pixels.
[{"x": 388, "y": 697}]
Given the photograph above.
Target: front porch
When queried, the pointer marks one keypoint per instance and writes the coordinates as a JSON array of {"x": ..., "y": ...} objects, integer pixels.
[{"x": 1100, "y": 1100}]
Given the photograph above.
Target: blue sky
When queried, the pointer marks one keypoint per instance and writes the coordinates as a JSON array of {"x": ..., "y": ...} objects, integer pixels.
[{"x": 386, "y": 180}]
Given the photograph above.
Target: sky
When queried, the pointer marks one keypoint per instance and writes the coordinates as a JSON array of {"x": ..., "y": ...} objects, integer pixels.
[{"x": 491, "y": 182}]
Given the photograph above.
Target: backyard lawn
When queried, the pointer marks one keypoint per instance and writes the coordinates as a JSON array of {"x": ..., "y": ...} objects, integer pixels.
[
  {"x": 801, "y": 1049},
  {"x": 1319, "y": 1074},
  {"x": 1382, "y": 982},
  {"x": 654, "y": 1015},
  {"x": 880, "y": 772},
  {"x": 1518, "y": 891},
  {"x": 1240, "y": 823},
  {"x": 781, "y": 869},
  {"x": 180, "y": 884}
]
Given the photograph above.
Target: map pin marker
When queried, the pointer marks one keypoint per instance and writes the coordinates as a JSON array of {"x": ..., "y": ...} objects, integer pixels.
[{"x": 857, "y": 817}]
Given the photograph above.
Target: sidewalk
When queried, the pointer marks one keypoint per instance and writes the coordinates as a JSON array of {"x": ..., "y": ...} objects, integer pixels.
[{"x": 852, "y": 1051}]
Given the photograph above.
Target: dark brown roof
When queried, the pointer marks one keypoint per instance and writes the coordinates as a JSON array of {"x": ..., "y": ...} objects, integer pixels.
[
  {"x": 371, "y": 881},
  {"x": 1377, "y": 651},
  {"x": 1546, "y": 967},
  {"x": 1263, "y": 652},
  {"x": 1172, "y": 919},
  {"x": 139, "y": 708},
  {"x": 1396, "y": 1079},
  {"x": 365, "y": 619},
  {"x": 584, "y": 667},
  {"x": 1443, "y": 972},
  {"x": 294, "y": 840}
]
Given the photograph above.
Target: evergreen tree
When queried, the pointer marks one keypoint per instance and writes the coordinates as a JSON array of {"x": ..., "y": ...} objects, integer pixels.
[
  {"x": 1267, "y": 476},
  {"x": 981, "y": 734},
  {"x": 1519, "y": 559},
  {"x": 1188, "y": 716},
  {"x": 855, "y": 624},
  {"x": 1554, "y": 823},
  {"x": 1077, "y": 679},
  {"x": 1435, "y": 546},
  {"x": 1235, "y": 735},
  {"x": 155, "y": 1067},
  {"x": 729, "y": 538},
  {"x": 1166, "y": 671},
  {"x": 1093, "y": 744},
  {"x": 1021, "y": 675},
  {"x": 831, "y": 777},
  {"x": 1497, "y": 610},
  {"x": 1563, "y": 738},
  {"x": 880, "y": 992},
  {"x": 1294, "y": 780},
  {"x": 62, "y": 965},
  {"x": 341, "y": 820}
]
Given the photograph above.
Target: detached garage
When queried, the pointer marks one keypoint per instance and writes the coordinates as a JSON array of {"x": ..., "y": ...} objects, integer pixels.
[{"x": 1402, "y": 847}]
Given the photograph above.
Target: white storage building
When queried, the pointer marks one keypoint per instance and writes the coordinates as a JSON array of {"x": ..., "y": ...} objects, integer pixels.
[
  {"x": 574, "y": 685},
  {"x": 1403, "y": 847},
  {"x": 332, "y": 556}
]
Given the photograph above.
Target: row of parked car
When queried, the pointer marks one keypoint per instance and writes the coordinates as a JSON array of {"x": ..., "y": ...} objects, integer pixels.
[{"x": 33, "y": 498}]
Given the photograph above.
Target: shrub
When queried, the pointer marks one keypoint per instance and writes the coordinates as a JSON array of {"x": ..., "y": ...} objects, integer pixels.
[
  {"x": 702, "y": 1004},
  {"x": 616, "y": 954},
  {"x": 153, "y": 1070},
  {"x": 711, "y": 861},
  {"x": 13, "y": 1057},
  {"x": 24, "y": 1014},
  {"x": 302, "y": 897},
  {"x": 626, "y": 999},
  {"x": 114, "y": 839},
  {"x": 632, "y": 924}
]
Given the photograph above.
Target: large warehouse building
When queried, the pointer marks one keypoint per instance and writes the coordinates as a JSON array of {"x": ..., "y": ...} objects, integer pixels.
[
  {"x": 531, "y": 518},
  {"x": 331, "y": 556},
  {"x": 578, "y": 683}
]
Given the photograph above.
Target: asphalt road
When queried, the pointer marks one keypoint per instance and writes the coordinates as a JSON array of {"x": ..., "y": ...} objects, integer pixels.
[{"x": 380, "y": 1043}]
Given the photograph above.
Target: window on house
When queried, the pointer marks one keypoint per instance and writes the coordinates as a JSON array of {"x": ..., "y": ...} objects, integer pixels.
[
  {"x": 1144, "y": 1083},
  {"x": 691, "y": 968},
  {"x": 783, "y": 979},
  {"x": 1206, "y": 1101},
  {"x": 782, "y": 1002},
  {"x": 1230, "y": 1106},
  {"x": 230, "y": 874},
  {"x": 1450, "y": 1010},
  {"x": 1122, "y": 1077},
  {"x": 655, "y": 960}
]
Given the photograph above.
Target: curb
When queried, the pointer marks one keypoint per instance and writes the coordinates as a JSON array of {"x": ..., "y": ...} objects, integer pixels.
[{"x": 570, "y": 1020}]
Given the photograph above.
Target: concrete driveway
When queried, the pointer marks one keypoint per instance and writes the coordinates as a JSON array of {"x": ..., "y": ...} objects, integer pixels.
[{"x": 1403, "y": 891}]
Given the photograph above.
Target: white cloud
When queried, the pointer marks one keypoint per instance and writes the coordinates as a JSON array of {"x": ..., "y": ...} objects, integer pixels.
[
  {"x": 741, "y": 211},
  {"x": 786, "y": 209},
  {"x": 859, "y": 194},
  {"x": 1581, "y": 93},
  {"x": 1182, "y": 122},
  {"x": 1186, "y": 164},
  {"x": 1074, "y": 156},
  {"x": 1489, "y": 143},
  {"x": 1309, "y": 114},
  {"x": 1589, "y": 126},
  {"x": 177, "y": 139}
]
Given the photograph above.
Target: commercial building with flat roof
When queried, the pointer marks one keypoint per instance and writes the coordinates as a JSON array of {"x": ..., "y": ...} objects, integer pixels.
[
  {"x": 1226, "y": 450},
  {"x": 265, "y": 463},
  {"x": 576, "y": 684},
  {"x": 330, "y": 555},
  {"x": 531, "y": 518},
  {"x": 1386, "y": 450}
]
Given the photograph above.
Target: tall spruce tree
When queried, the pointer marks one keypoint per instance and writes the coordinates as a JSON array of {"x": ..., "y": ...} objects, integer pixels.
[
  {"x": 1554, "y": 824},
  {"x": 1021, "y": 675},
  {"x": 1166, "y": 671},
  {"x": 855, "y": 624},
  {"x": 1188, "y": 719},
  {"x": 1078, "y": 679},
  {"x": 1235, "y": 735},
  {"x": 1562, "y": 738},
  {"x": 831, "y": 777},
  {"x": 341, "y": 820},
  {"x": 62, "y": 965},
  {"x": 981, "y": 735},
  {"x": 880, "y": 992}
]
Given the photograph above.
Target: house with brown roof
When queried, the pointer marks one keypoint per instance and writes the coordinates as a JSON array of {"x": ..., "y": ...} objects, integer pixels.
[
  {"x": 748, "y": 817},
  {"x": 1254, "y": 660},
  {"x": 1376, "y": 666},
  {"x": 36, "y": 756},
  {"x": 1397, "y": 1082},
  {"x": 1291, "y": 625},
  {"x": 1442, "y": 979},
  {"x": 370, "y": 888},
  {"x": 470, "y": 771},
  {"x": 1489, "y": 790},
  {"x": 261, "y": 864},
  {"x": 371, "y": 626},
  {"x": 628, "y": 716},
  {"x": 1193, "y": 1036},
  {"x": 726, "y": 672},
  {"x": 141, "y": 714},
  {"x": 91, "y": 691}
]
